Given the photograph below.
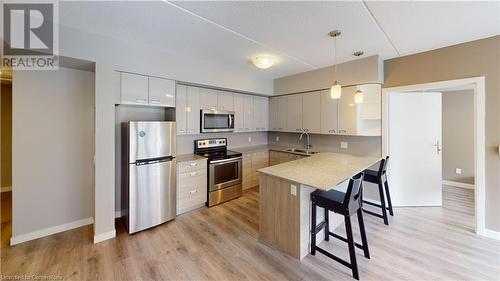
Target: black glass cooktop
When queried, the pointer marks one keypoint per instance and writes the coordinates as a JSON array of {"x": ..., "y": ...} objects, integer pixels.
[{"x": 218, "y": 155}]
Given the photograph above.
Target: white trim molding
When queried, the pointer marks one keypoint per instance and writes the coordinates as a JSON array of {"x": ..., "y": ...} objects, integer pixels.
[
  {"x": 478, "y": 84},
  {"x": 49, "y": 231},
  {"x": 491, "y": 234},
  {"x": 104, "y": 236},
  {"x": 6, "y": 188},
  {"x": 458, "y": 184}
]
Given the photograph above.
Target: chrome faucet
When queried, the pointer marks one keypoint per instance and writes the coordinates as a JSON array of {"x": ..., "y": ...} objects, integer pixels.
[{"x": 308, "y": 140}]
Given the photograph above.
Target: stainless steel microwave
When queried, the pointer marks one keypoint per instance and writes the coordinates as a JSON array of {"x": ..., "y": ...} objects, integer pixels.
[{"x": 214, "y": 121}]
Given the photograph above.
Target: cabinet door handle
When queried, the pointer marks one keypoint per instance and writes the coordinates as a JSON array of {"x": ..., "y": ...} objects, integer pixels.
[
  {"x": 332, "y": 131},
  {"x": 192, "y": 164},
  {"x": 155, "y": 101},
  {"x": 193, "y": 174},
  {"x": 342, "y": 131},
  {"x": 193, "y": 191},
  {"x": 141, "y": 100}
]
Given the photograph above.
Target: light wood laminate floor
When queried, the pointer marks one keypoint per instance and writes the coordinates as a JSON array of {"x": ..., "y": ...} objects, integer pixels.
[{"x": 220, "y": 243}]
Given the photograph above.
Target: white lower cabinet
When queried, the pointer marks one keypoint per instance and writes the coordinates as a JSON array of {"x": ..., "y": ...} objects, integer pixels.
[{"x": 191, "y": 185}]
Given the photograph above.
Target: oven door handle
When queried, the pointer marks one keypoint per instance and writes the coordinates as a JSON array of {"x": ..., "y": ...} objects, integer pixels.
[{"x": 236, "y": 159}]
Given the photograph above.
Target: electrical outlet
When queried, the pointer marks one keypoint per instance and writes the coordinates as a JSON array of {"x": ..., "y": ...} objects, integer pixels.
[
  {"x": 249, "y": 139},
  {"x": 293, "y": 189},
  {"x": 343, "y": 144},
  {"x": 458, "y": 171},
  {"x": 277, "y": 138}
]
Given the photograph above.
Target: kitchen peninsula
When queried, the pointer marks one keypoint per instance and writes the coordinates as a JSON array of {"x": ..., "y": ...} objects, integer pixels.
[{"x": 285, "y": 197}]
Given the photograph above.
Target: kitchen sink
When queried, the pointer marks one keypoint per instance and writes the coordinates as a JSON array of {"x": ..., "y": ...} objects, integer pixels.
[{"x": 304, "y": 151}]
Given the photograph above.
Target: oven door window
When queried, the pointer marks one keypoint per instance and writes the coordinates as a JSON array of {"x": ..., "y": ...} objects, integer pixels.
[
  {"x": 216, "y": 121},
  {"x": 226, "y": 172}
]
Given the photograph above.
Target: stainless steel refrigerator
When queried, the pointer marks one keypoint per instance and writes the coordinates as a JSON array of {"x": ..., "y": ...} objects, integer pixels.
[{"x": 150, "y": 173}]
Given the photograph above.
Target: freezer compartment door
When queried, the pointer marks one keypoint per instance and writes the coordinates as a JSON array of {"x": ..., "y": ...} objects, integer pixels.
[
  {"x": 151, "y": 140},
  {"x": 152, "y": 199}
]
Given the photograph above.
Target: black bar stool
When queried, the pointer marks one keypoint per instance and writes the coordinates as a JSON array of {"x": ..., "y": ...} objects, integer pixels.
[
  {"x": 346, "y": 204},
  {"x": 380, "y": 178}
]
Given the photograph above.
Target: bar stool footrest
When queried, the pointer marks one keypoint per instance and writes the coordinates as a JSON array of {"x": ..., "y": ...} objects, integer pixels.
[
  {"x": 345, "y": 240},
  {"x": 372, "y": 213},
  {"x": 339, "y": 260}
]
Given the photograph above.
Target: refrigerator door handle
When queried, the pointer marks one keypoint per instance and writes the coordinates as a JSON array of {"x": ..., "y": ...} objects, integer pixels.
[{"x": 153, "y": 160}]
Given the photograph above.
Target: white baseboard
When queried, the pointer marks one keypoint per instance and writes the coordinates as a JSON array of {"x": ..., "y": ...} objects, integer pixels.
[
  {"x": 5, "y": 188},
  {"x": 49, "y": 231},
  {"x": 458, "y": 184},
  {"x": 104, "y": 236},
  {"x": 491, "y": 234}
]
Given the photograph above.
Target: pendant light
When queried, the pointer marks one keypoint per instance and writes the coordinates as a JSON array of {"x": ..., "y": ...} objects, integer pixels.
[
  {"x": 359, "y": 96},
  {"x": 336, "y": 89}
]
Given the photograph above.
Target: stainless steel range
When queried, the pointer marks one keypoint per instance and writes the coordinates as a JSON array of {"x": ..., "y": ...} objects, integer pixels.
[{"x": 224, "y": 170}]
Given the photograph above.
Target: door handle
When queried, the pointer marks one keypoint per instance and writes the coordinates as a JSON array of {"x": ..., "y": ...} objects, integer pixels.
[{"x": 438, "y": 147}]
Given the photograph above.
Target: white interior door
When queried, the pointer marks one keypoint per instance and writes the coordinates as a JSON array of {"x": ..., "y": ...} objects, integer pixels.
[{"x": 414, "y": 149}]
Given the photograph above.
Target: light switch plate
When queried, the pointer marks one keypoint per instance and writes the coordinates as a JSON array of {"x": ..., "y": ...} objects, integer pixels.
[
  {"x": 277, "y": 138},
  {"x": 293, "y": 189},
  {"x": 458, "y": 171},
  {"x": 343, "y": 145},
  {"x": 249, "y": 139}
]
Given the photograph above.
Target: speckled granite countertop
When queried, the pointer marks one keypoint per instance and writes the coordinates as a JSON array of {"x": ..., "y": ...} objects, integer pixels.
[{"x": 322, "y": 171}]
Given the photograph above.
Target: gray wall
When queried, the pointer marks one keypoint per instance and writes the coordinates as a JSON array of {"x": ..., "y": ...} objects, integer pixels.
[
  {"x": 361, "y": 71},
  {"x": 471, "y": 59},
  {"x": 357, "y": 145},
  {"x": 185, "y": 144},
  {"x": 53, "y": 148},
  {"x": 458, "y": 135}
]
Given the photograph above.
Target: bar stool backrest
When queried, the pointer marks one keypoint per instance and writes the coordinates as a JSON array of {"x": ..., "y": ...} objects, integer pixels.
[
  {"x": 352, "y": 199},
  {"x": 383, "y": 166}
]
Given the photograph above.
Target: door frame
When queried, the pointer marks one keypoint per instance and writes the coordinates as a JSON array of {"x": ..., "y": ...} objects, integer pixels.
[{"x": 478, "y": 85}]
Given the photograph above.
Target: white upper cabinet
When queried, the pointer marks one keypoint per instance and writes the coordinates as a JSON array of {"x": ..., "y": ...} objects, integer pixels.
[
  {"x": 370, "y": 111},
  {"x": 225, "y": 101},
  {"x": 239, "y": 113},
  {"x": 161, "y": 92},
  {"x": 329, "y": 113},
  {"x": 282, "y": 112},
  {"x": 273, "y": 114},
  {"x": 316, "y": 112},
  {"x": 248, "y": 108},
  {"x": 264, "y": 113},
  {"x": 311, "y": 114},
  {"x": 180, "y": 110},
  {"x": 134, "y": 89},
  {"x": 348, "y": 114},
  {"x": 294, "y": 113},
  {"x": 193, "y": 110},
  {"x": 257, "y": 114},
  {"x": 208, "y": 98}
]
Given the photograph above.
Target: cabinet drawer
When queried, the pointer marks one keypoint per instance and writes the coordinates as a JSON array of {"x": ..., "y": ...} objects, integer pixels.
[
  {"x": 192, "y": 178},
  {"x": 191, "y": 166},
  {"x": 193, "y": 198},
  {"x": 191, "y": 191}
]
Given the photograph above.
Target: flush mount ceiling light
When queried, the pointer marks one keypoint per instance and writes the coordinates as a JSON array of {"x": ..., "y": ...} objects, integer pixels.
[
  {"x": 336, "y": 89},
  {"x": 263, "y": 61},
  {"x": 359, "y": 96}
]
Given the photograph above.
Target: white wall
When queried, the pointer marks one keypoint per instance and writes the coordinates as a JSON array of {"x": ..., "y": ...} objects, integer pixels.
[{"x": 52, "y": 148}]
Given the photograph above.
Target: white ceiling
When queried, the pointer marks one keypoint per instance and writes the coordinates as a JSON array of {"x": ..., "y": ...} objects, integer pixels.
[{"x": 232, "y": 32}]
